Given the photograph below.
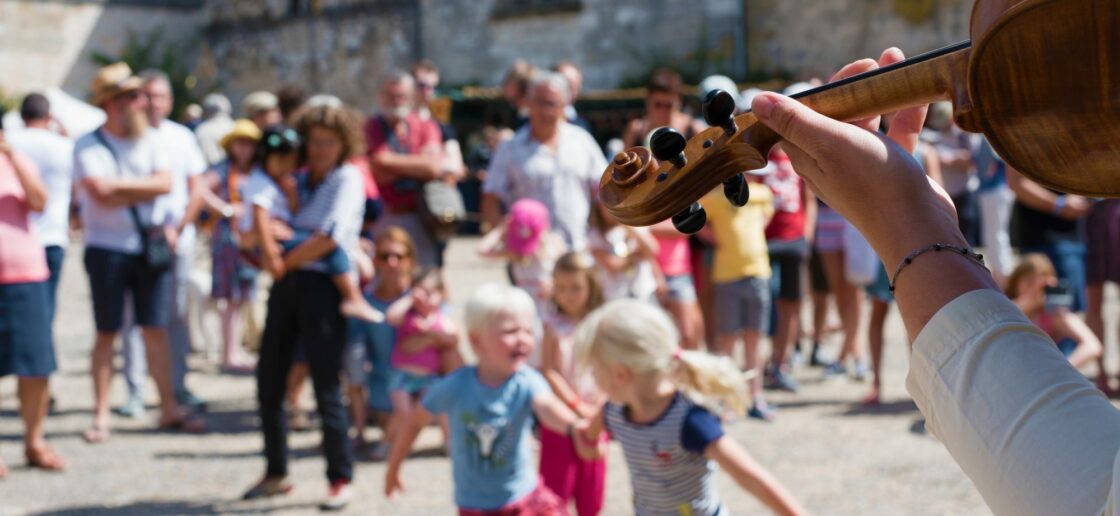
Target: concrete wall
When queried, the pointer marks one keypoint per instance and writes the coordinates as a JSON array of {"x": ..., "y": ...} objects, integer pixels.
[{"x": 49, "y": 42}]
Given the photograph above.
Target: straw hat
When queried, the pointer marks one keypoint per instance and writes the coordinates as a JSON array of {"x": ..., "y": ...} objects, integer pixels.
[
  {"x": 111, "y": 81},
  {"x": 242, "y": 128}
]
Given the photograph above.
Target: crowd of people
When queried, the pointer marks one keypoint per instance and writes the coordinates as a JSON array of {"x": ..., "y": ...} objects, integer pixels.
[{"x": 606, "y": 329}]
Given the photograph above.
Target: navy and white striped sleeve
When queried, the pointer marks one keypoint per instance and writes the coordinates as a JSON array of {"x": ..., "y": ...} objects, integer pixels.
[
  {"x": 700, "y": 429},
  {"x": 347, "y": 206}
]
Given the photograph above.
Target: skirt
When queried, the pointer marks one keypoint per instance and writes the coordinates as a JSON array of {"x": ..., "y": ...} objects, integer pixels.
[{"x": 26, "y": 345}]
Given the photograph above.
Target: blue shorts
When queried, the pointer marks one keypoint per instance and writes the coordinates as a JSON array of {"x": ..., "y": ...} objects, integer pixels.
[
  {"x": 112, "y": 274},
  {"x": 680, "y": 288},
  {"x": 26, "y": 346},
  {"x": 413, "y": 384}
]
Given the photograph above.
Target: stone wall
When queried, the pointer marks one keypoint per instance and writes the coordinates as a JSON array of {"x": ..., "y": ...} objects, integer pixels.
[
  {"x": 45, "y": 43},
  {"x": 814, "y": 38},
  {"x": 240, "y": 46}
]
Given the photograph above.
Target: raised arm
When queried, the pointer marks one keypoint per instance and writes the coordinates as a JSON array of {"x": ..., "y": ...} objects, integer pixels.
[
  {"x": 750, "y": 475},
  {"x": 1029, "y": 430}
]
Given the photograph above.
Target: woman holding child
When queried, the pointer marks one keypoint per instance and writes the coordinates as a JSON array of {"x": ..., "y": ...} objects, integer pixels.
[{"x": 305, "y": 304}]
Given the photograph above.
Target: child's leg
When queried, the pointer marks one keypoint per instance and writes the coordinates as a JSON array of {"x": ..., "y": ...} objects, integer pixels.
[
  {"x": 752, "y": 358},
  {"x": 354, "y": 305},
  {"x": 591, "y": 484},
  {"x": 233, "y": 357},
  {"x": 402, "y": 412},
  {"x": 879, "y": 310},
  {"x": 357, "y": 394},
  {"x": 559, "y": 463}
]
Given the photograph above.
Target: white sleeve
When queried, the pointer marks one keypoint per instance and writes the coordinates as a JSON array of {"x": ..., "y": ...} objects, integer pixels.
[
  {"x": 1033, "y": 434},
  {"x": 497, "y": 174}
]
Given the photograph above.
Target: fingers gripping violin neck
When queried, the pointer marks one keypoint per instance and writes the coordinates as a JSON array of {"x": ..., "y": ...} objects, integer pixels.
[{"x": 1039, "y": 78}]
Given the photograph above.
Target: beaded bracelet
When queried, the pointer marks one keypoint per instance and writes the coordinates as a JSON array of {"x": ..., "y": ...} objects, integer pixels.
[{"x": 964, "y": 251}]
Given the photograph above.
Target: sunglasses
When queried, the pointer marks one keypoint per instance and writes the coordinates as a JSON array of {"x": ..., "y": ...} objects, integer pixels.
[
  {"x": 661, "y": 105},
  {"x": 387, "y": 256},
  {"x": 286, "y": 140}
]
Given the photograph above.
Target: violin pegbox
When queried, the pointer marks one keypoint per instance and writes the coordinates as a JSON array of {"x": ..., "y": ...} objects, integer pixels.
[{"x": 645, "y": 186}]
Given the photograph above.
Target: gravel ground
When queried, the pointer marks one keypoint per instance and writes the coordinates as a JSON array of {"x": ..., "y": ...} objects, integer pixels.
[{"x": 835, "y": 455}]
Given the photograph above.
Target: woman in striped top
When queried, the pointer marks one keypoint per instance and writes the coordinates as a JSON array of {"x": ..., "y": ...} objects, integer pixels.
[{"x": 671, "y": 441}]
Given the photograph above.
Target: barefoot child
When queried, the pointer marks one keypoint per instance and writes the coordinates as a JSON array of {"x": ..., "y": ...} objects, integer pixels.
[
  {"x": 491, "y": 408},
  {"x": 575, "y": 293},
  {"x": 669, "y": 439},
  {"x": 427, "y": 345},
  {"x": 270, "y": 195}
]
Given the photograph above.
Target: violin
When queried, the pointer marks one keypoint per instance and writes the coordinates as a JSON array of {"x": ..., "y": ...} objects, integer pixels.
[{"x": 1039, "y": 78}]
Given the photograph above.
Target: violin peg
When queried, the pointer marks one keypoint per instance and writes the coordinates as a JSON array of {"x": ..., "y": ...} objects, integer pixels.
[
  {"x": 719, "y": 110},
  {"x": 668, "y": 144},
  {"x": 736, "y": 190},
  {"x": 691, "y": 220}
]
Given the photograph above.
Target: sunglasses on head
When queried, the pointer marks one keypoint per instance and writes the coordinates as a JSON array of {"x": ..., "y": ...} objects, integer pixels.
[
  {"x": 387, "y": 256},
  {"x": 286, "y": 140}
]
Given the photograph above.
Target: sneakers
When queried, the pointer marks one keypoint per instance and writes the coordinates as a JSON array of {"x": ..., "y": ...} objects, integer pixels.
[
  {"x": 835, "y": 370},
  {"x": 796, "y": 359},
  {"x": 778, "y": 379},
  {"x": 338, "y": 496},
  {"x": 761, "y": 412},
  {"x": 380, "y": 452},
  {"x": 815, "y": 357},
  {"x": 133, "y": 408},
  {"x": 862, "y": 371},
  {"x": 268, "y": 487},
  {"x": 188, "y": 400}
]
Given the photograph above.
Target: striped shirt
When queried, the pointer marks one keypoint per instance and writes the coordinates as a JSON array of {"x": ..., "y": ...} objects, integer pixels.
[
  {"x": 668, "y": 471},
  {"x": 334, "y": 207}
]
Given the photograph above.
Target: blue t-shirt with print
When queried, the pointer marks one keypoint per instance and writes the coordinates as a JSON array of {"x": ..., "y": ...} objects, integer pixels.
[{"x": 491, "y": 435}]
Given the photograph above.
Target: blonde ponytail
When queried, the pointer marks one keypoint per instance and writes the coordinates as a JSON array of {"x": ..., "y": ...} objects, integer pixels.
[{"x": 644, "y": 339}]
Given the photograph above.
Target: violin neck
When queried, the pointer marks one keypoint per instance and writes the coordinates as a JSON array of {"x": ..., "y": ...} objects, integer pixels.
[{"x": 923, "y": 79}]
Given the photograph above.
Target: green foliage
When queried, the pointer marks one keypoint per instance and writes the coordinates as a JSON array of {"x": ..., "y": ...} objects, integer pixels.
[{"x": 153, "y": 51}]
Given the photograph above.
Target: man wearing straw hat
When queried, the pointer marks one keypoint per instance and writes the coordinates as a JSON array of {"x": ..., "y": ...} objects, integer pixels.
[{"x": 119, "y": 173}]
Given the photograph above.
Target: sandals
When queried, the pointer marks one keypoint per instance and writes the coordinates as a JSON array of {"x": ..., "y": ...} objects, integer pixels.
[
  {"x": 44, "y": 459},
  {"x": 96, "y": 434},
  {"x": 268, "y": 487},
  {"x": 187, "y": 425}
]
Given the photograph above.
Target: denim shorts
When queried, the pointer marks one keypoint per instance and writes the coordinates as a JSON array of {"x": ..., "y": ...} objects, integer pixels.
[
  {"x": 680, "y": 288},
  {"x": 411, "y": 383},
  {"x": 742, "y": 305},
  {"x": 26, "y": 346},
  {"x": 112, "y": 274}
]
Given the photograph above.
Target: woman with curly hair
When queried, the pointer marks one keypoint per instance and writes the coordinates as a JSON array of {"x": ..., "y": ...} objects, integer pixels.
[{"x": 303, "y": 305}]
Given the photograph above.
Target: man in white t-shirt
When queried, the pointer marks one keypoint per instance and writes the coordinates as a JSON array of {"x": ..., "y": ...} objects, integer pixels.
[
  {"x": 54, "y": 155},
  {"x": 120, "y": 172},
  {"x": 549, "y": 160},
  {"x": 178, "y": 209}
]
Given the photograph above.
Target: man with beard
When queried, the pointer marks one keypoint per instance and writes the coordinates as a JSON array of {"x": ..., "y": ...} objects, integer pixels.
[
  {"x": 178, "y": 209},
  {"x": 119, "y": 172},
  {"x": 404, "y": 153}
]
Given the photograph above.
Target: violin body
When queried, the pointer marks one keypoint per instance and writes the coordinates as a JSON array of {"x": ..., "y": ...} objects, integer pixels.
[{"x": 1040, "y": 79}]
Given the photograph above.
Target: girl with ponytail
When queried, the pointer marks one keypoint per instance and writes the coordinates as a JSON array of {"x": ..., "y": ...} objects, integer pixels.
[{"x": 662, "y": 409}]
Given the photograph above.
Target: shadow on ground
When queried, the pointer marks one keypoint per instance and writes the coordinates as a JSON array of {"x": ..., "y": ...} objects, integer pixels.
[{"x": 182, "y": 507}]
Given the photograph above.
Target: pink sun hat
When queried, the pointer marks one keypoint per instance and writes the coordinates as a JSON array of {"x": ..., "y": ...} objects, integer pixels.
[{"x": 528, "y": 222}]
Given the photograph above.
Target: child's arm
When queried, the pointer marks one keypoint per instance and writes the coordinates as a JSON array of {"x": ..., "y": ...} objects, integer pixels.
[
  {"x": 493, "y": 244},
  {"x": 751, "y": 476},
  {"x": 401, "y": 448},
  {"x": 550, "y": 368},
  {"x": 396, "y": 311},
  {"x": 270, "y": 251}
]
